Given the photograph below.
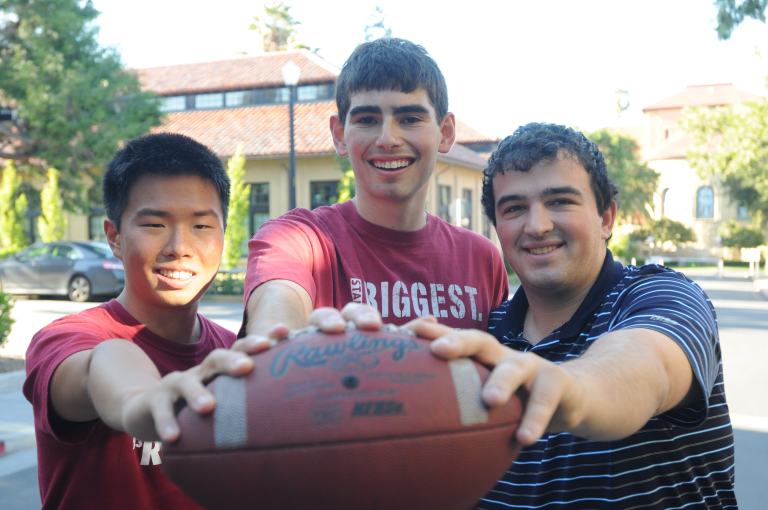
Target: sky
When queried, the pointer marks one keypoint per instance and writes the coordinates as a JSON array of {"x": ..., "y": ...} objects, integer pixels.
[{"x": 506, "y": 62}]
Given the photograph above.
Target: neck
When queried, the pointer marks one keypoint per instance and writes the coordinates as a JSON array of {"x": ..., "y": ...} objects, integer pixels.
[
  {"x": 177, "y": 324},
  {"x": 403, "y": 216},
  {"x": 547, "y": 312}
]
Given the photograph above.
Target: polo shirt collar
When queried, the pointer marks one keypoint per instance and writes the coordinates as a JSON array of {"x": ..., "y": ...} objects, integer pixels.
[{"x": 609, "y": 276}]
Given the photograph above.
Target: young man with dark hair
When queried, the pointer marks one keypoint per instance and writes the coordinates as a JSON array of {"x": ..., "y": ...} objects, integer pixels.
[
  {"x": 381, "y": 248},
  {"x": 621, "y": 366},
  {"x": 102, "y": 378}
]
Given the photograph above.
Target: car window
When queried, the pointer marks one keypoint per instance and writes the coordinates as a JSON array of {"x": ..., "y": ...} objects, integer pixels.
[
  {"x": 64, "y": 251},
  {"x": 33, "y": 252},
  {"x": 98, "y": 249}
]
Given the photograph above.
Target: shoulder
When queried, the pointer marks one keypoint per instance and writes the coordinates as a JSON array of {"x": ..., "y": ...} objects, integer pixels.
[
  {"x": 460, "y": 234},
  {"x": 657, "y": 282},
  {"x": 219, "y": 334}
]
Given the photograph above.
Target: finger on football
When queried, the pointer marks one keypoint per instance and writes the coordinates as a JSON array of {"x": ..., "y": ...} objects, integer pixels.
[
  {"x": 328, "y": 319},
  {"x": 362, "y": 316}
]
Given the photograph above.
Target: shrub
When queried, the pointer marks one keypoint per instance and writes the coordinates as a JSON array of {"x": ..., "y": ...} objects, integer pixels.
[
  {"x": 734, "y": 235},
  {"x": 6, "y": 305}
]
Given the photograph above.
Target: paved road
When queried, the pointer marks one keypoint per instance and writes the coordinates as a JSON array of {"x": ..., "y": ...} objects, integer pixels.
[{"x": 743, "y": 320}]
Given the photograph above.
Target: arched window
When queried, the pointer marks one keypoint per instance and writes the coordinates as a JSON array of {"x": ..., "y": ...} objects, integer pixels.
[
  {"x": 664, "y": 202},
  {"x": 705, "y": 202}
]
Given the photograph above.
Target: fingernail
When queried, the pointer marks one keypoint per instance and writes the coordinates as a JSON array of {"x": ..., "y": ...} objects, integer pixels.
[
  {"x": 169, "y": 431},
  {"x": 202, "y": 401},
  {"x": 444, "y": 341},
  {"x": 239, "y": 363},
  {"x": 332, "y": 321}
]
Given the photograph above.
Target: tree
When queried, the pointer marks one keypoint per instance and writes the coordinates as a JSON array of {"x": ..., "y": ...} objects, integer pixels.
[
  {"x": 730, "y": 15},
  {"x": 72, "y": 101},
  {"x": 13, "y": 211},
  {"x": 236, "y": 234},
  {"x": 664, "y": 231},
  {"x": 635, "y": 180},
  {"x": 377, "y": 26},
  {"x": 734, "y": 235},
  {"x": 346, "y": 188},
  {"x": 51, "y": 223},
  {"x": 277, "y": 28},
  {"x": 729, "y": 142}
]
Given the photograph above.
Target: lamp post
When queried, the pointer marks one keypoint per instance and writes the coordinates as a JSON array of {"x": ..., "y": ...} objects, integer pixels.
[{"x": 291, "y": 73}]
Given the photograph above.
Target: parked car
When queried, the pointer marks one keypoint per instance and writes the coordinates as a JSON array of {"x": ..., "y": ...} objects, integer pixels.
[{"x": 78, "y": 270}]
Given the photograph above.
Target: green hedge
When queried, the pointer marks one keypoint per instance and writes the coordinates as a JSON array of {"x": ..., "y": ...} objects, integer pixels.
[{"x": 6, "y": 305}]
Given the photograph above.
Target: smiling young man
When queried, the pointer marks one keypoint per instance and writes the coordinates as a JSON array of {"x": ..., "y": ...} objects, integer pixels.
[
  {"x": 102, "y": 378},
  {"x": 621, "y": 366},
  {"x": 381, "y": 248}
]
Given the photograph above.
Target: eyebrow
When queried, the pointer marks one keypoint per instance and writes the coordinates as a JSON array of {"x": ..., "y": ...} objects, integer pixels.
[
  {"x": 547, "y": 192},
  {"x": 146, "y": 211},
  {"x": 399, "y": 110}
]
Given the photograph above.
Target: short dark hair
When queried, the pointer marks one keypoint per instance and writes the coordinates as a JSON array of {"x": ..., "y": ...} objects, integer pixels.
[
  {"x": 536, "y": 142},
  {"x": 391, "y": 64},
  {"x": 165, "y": 154}
]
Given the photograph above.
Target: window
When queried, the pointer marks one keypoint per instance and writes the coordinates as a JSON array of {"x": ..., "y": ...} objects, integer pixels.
[
  {"x": 314, "y": 92},
  {"x": 215, "y": 100},
  {"x": 742, "y": 213},
  {"x": 664, "y": 202},
  {"x": 96, "y": 225},
  {"x": 237, "y": 98},
  {"x": 323, "y": 193},
  {"x": 705, "y": 203},
  {"x": 486, "y": 226},
  {"x": 444, "y": 194},
  {"x": 65, "y": 252},
  {"x": 258, "y": 206},
  {"x": 173, "y": 104},
  {"x": 466, "y": 208}
]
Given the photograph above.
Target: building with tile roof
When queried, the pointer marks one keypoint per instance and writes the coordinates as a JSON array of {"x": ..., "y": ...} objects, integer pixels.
[
  {"x": 701, "y": 203},
  {"x": 244, "y": 102}
]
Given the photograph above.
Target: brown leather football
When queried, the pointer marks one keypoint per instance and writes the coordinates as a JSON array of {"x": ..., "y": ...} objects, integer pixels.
[{"x": 360, "y": 420}]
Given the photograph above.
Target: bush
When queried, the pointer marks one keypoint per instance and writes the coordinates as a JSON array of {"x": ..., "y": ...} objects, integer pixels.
[
  {"x": 624, "y": 247},
  {"x": 6, "y": 305},
  {"x": 228, "y": 283},
  {"x": 663, "y": 231},
  {"x": 734, "y": 235}
]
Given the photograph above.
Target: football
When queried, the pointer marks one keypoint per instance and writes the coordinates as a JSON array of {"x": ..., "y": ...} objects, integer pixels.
[{"x": 359, "y": 420}]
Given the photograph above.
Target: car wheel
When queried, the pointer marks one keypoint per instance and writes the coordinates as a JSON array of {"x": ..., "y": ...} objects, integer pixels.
[{"x": 79, "y": 289}]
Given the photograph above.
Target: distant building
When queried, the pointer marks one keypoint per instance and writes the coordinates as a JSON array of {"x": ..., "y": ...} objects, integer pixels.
[
  {"x": 244, "y": 102},
  {"x": 701, "y": 203}
]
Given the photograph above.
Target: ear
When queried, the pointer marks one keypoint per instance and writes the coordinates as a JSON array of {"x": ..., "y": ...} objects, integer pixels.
[
  {"x": 447, "y": 132},
  {"x": 337, "y": 132},
  {"x": 608, "y": 217},
  {"x": 113, "y": 238}
]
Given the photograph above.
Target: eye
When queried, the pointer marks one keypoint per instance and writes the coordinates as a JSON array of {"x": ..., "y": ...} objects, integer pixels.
[
  {"x": 152, "y": 225},
  {"x": 562, "y": 201},
  {"x": 411, "y": 119},
  {"x": 203, "y": 226},
  {"x": 512, "y": 210},
  {"x": 365, "y": 120}
]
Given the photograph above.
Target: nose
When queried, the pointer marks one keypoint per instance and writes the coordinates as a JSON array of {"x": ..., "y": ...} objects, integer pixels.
[
  {"x": 538, "y": 221},
  {"x": 389, "y": 135},
  {"x": 177, "y": 245}
]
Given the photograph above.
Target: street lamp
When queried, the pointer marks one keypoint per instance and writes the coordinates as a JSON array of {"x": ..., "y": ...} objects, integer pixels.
[{"x": 291, "y": 73}]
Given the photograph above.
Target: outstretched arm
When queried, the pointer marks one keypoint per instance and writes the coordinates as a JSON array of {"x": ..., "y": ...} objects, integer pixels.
[
  {"x": 117, "y": 383},
  {"x": 623, "y": 380}
]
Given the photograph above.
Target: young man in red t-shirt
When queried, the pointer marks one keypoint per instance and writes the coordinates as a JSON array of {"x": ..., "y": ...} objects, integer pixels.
[
  {"x": 381, "y": 248},
  {"x": 100, "y": 379}
]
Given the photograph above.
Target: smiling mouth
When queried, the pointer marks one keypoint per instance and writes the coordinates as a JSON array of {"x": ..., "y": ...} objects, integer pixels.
[
  {"x": 543, "y": 250},
  {"x": 175, "y": 275},
  {"x": 391, "y": 165}
]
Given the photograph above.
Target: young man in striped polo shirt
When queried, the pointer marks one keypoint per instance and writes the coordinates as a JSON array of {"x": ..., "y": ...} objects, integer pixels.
[{"x": 621, "y": 365}]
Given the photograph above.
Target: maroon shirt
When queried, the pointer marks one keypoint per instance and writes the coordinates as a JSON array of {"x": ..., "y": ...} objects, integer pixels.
[
  {"x": 89, "y": 465},
  {"x": 338, "y": 257}
]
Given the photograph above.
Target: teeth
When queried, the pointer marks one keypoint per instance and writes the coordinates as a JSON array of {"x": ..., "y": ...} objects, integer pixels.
[
  {"x": 176, "y": 275},
  {"x": 542, "y": 251},
  {"x": 389, "y": 165}
]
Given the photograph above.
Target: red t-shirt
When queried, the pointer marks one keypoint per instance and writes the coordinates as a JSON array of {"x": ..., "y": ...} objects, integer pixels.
[
  {"x": 339, "y": 257},
  {"x": 88, "y": 465}
]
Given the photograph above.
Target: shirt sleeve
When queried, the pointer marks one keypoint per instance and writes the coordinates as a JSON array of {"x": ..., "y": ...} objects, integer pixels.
[
  {"x": 679, "y": 309},
  {"x": 47, "y": 350}
]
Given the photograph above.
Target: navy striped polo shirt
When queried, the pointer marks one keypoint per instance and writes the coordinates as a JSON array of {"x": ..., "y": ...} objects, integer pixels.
[{"x": 681, "y": 459}]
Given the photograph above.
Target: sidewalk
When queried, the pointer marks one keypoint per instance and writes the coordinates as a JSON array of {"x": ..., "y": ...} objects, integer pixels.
[{"x": 17, "y": 430}]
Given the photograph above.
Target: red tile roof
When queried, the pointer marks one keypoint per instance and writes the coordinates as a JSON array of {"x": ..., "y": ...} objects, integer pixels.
[
  {"x": 242, "y": 73},
  {"x": 263, "y": 130},
  {"x": 703, "y": 95},
  {"x": 468, "y": 134}
]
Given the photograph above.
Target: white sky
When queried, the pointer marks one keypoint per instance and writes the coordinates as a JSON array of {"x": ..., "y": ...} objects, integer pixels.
[{"x": 506, "y": 62}]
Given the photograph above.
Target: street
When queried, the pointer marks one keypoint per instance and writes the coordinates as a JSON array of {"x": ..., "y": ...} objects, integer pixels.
[{"x": 743, "y": 320}]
